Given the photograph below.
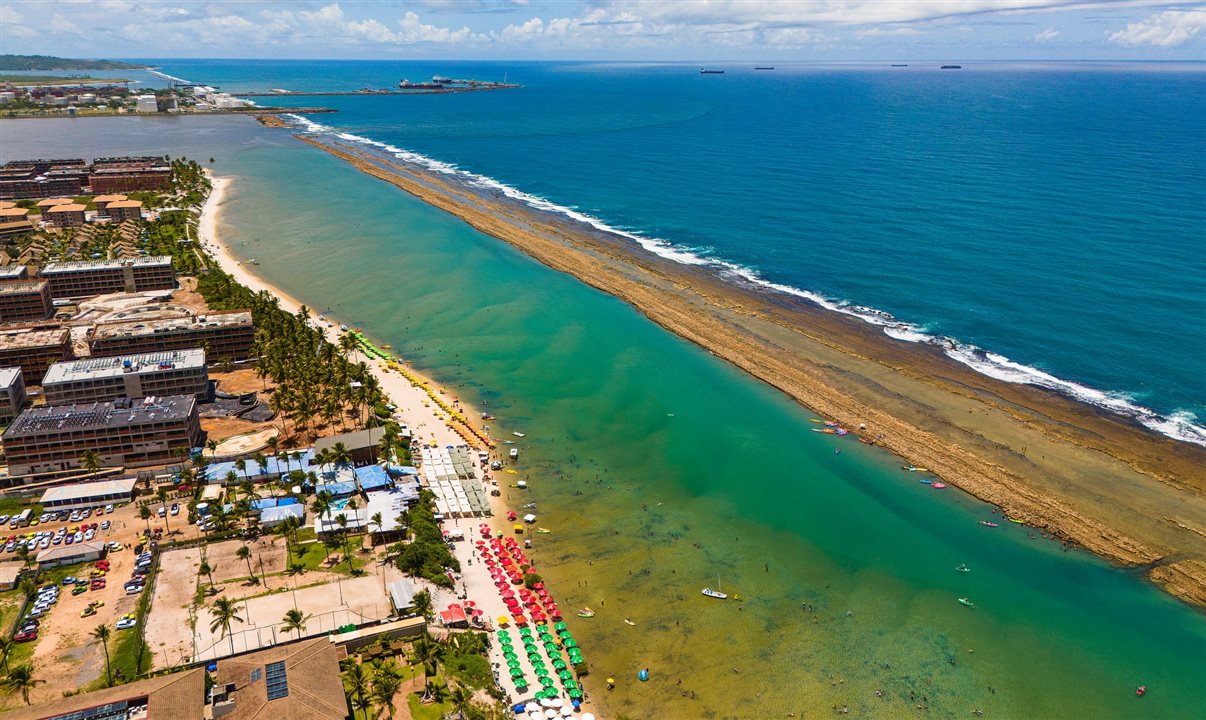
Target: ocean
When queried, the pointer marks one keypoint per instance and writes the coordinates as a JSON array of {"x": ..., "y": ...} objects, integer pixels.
[
  {"x": 1048, "y": 218},
  {"x": 660, "y": 469}
]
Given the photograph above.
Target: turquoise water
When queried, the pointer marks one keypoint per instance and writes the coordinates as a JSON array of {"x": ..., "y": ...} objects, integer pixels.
[
  {"x": 1052, "y": 214},
  {"x": 661, "y": 470}
]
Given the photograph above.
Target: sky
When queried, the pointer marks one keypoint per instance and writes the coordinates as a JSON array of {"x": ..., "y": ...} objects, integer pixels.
[{"x": 618, "y": 30}]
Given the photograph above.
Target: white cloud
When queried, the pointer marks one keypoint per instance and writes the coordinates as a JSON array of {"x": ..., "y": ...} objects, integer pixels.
[
  {"x": 370, "y": 30},
  {"x": 413, "y": 30},
  {"x": 62, "y": 26},
  {"x": 1046, "y": 36},
  {"x": 887, "y": 32},
  {"x": 9, "y": 15},
  {"x": 1164, "y": 29}
]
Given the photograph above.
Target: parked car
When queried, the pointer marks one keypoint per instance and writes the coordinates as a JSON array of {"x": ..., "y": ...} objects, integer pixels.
[
  {"x": 126, "y": 623},
  {"x": 108, "y": 508},
  {"x": 105, "y": 525},
  {"x": 26, "y": 636},
  {"x": 161, "y": 511},
  {"x": 175, "y": 508}
]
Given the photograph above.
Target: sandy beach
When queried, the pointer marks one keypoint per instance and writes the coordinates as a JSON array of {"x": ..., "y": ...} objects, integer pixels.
[
  {"x": 425, "y": 418},
  {"x": 1090, "y": 478}
]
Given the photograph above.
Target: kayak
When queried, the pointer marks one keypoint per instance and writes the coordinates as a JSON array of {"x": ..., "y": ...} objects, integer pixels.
[
  {"x": 985, "y": 523},
  {"x": 629, "y": 622},
  {"x": 926, "y": 481},
  {"x": 543, "y": 531},
  {"x": 963, "y": 568},
  {"x": 967, "y": 602},
  {"x": 937, "y": 485}
]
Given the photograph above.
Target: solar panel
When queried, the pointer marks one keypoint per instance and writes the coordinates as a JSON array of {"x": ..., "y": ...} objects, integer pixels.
[{"x": 278, "y": 684}]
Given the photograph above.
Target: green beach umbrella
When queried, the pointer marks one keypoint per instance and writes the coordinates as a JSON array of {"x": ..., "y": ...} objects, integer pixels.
[
  {"x": 541, "y": 670},
  {"x": 547, "y": 681},
  {"x": 565, "y": 675},
  {"x": 560, "y": 626},
  {"x": 575, "y": 694},
  {"x": 516, "y": 673},
  {"x": 525, "y": 631},
  {"x": 571, "y": 643}
]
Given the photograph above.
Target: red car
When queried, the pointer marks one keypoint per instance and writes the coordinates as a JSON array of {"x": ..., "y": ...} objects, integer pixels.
[{"x": 26, "y": 636}]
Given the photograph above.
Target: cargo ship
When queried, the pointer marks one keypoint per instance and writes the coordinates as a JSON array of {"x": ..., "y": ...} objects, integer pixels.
[
  {"x": 408, "y": 85},
  {"x": 705, "y": 71}
]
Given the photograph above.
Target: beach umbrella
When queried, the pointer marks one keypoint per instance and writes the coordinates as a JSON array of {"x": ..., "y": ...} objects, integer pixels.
[
  {"x": 567, "y": 711},
  {"x": 576, "y": 695},
  {"x": 545, "y": 702},
  {"x": 558, "y": 664},
  {"x": 565, "y": 675},
  {"x": 551, "y": 714},
  {"x": 560, "y": 626},
  {"x": 588, "y": 716},
  {"x": 571, "y": 643},
  {"x": 516, "y": 673},
  {"x": 547, "y": 681},
  {"x": 541, "y": 671}
]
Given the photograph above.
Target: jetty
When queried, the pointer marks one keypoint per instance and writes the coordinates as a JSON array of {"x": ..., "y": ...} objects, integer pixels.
[{"x": 473, "y": 86}]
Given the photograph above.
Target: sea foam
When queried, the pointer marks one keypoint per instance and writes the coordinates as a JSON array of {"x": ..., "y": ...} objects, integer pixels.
[{"x": 1179, "y": 425}]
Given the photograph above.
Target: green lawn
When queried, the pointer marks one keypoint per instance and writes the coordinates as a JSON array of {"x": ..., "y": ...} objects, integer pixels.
[
  {"x": 12, "y": 506},
  {"x": 314, "y": 557}
]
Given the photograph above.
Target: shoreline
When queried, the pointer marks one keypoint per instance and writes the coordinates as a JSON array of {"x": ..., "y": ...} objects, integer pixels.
[
  {"x": 411, "y": 399},
  {"x": 1103, "y": 482}
]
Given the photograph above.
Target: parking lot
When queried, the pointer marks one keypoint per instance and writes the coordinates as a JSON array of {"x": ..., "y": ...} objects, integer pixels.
[{"x": 54, "y": 634}]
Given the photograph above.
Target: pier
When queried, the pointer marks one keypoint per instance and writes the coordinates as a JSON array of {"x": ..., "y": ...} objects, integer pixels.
[{"x": 368, "y": 91}]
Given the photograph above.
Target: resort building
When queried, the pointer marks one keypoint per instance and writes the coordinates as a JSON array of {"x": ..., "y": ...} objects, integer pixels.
[
  {"x": 121, "y": 210},
  {"x": 174, "y": 372},
  {"x": 131, "y": 177},
  {"x": 49, "y": 440},
  {"x": 13, "y": 272},
  {"x": 66, "y": 215},
  {"x": 44, "y": 206},
  {"x": 101, "y": 277},
  {"x": 25, "y": 301},
  {"x": 101, "y": 202},
  {"x": 12, "y": 393},
  {"x": 33, "y": 349},
  {"x": 146, "y": 104},
  {"x": 89, "y": 495},
  {"x": 299, "y": 680},
  {"x": 177, "y": 696},
  {"x": 224, "y": 335},
  {"x": 14, "y": 221},
  {"x": 361, "y": 445}
]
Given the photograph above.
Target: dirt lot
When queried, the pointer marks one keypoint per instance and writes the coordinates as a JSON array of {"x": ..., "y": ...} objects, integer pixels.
[
  {"x": 241, "y": 380},
  {"x": 317, "y": 594},
  {"x": 64, "y": 655}
]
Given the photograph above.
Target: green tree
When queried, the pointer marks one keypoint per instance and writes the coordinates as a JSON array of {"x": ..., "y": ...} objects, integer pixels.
[
  {"x": 208, "y": 571},
  {"x": 6, "y": 647},
  {"x": 162, "y": 495},
  {"x": 295, "y": 621},
  {"x": 422, "y": 604},
  {"x": 224, "y": 611},
  {"x": 101, "y": 635},
  {"x": 428, "y": 652},
  {"x": 244, "y": 553},
  {"x": 356, "y": 684},
  {"x": 385, "y": 686},
  {"x": 144, "y": 513},
  {"x": 90, "y": 461},
  {"x": 462, "y": 699},
  {"x": 22, "y": 678}
]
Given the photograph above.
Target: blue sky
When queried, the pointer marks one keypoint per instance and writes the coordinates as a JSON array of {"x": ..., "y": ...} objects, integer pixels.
[{"x": 812, "y": 30}]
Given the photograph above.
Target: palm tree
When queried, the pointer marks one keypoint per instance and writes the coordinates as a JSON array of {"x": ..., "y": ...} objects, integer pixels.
[
  {"x": 22, "y": 678},
  {"x": 90, "y": 461},
  {"x": 377, "y": 522},
  {"x": 340, "y": 455},
  {"x": 224, "y": 610},
  {"x": 421, "y": 603},
  {"x": 427, "y": 652},
  {"x": 101, "y": 635},
  {"x": 208, "y": 571},
  {"x": 385, "y": 686},
  {"x": 162, "y": 495},
  {"x": 295, "y": 621},
  {"x": 356, "y": 683},
  {"x": 461, "y": 699},
  {"x": 322, "y": 502},
  {"x": 244, "y": 553},
  {"x": 241, "y": 464},
  {"x": 144, "y": 513},
  {"x": 6, "y": 646}
]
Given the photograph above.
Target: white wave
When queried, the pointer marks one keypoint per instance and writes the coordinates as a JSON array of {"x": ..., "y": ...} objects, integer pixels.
[
  {"x": 165, "y": 76},
  {"x": 1179, "y": 425}
]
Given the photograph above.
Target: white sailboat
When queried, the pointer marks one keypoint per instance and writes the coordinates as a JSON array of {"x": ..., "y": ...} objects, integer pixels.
[{"x": 715, "y": 593}]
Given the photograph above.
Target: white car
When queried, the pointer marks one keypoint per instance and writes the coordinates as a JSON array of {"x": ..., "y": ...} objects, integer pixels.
[
  {"x": 126, "y": 623},
  {"x": 108, "y": 508},
  {"x": 106, "y": 525},
  {"x": 162, "y": 511},
  {"x": 89, "y": 535}
]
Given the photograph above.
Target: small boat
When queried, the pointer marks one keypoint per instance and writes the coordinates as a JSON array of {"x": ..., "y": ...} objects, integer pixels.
[
  {"x": 986, "y": 523},
  {"x": 963, "y": 568},
  {"x": 837, "y": 451},
  {"x": 514, "y": 453},
  {"x": 900, "y": 64},
  {"x": 703, "y": 71},
  {"x": 586, "y": 613},
  {"x": 827, "y": 430},
  {"x": 518, "y": 434},
  {"x": 926, "y": 481},
  {"x": 938, "y": 485},
  {"x": 1015, "y": 520},
  {"x": 913, "y": 468},
  {"x": 1141, "y": 691},
  {"x": 967, "y": 602},
  {"x": 715, "y": 594},
  {"x": 814, "y": 420},
  {"x": 764, "y": 67},
  {"x": 629, "y": 622},
  {"x": 951, "y": 67},
  {"x": 543, "y": 531}
]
